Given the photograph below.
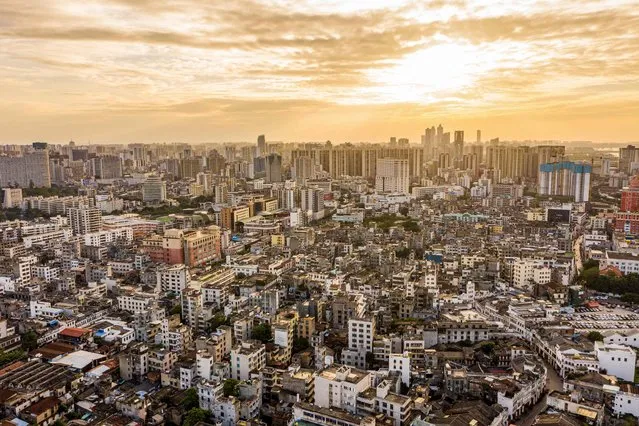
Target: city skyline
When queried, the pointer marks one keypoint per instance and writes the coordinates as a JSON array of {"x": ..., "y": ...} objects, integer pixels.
[{"x": 112, "y": 71}]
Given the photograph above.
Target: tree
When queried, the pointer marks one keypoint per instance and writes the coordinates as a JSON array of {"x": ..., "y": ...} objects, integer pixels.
[
  {"x": 231, "y": 387},
  {"x": 591, "y": 263},
  {"x": 9, "y": 357},
  {"x": 30, "y": 340},
  {"x": 411, "y": 226},
  {"x": 194, "y": 416},
  {"x": 218, "y": 320},
  {"x": 300, "y": 344},
  {"x": 176, "y": 310},
  {"x": 262, "y": 332},
  {"x": 402, "y": 253},
  {"x": 488, "y": 347},
  {"x": 403, "y": 211},
  {"x": 190, "y": 400},
  {"x": 595, "y": 336}
]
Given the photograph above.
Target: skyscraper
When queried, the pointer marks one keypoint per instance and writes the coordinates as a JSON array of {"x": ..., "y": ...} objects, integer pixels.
[
  {"x": 312, "y": 199},
  {"x": 215, "y": 162},
  {"x": 261, "y": 146},
  {"x": 190, "y": 167},
  {"x": 478, "y": 136},
  {"x": 138, "y": 152},
  {"x": 565, "y": 178},
  {"x": 107, "y": 167},
  {"x": 273, "y": 165},
  {"x": 628, "y": 155},
  {"x": 392, "y": 176},
  {"x": 459, "y": 144},
  {"x": 28, "y": 170},
  {"x": 303, "y": 168}
]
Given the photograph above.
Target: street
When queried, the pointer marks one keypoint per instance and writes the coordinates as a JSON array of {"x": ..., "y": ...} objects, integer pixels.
[
  {"x": 577, "y": 252},
  {"x": 553, "y": 382}
]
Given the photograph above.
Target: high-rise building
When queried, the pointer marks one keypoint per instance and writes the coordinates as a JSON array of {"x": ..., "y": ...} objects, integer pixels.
[
  {"x": 57, "y": 170},
  {"x": 79, "y": 154},
  {"x": 12, "y": 198},
  {"x": 478, "y": 150},
  {"x": 154, "y": 189},
  {"x": 312, "y": 199},
  {"x": 459, "y": 144},
  {"x": 273, "y": 166},
  {"x": 445, "y": 141},
  {"x": 444, "y": 161},
  {"x": 138, "y": 152},
  {"x": 470, "y": 162},
  {"x": 190, "y": 167},
  {"x": 511, "y": 161},
  {"x": 202, "y": 246},
  {"x": 551, "y": 153},
  {"x": 84, "y": 220},
  {"x": 606, "y": 164},
  {"x": 259, "y": 167},
  {"x": 303, "y": 168},
  {"x": 107, "y": 167},
  {"x": 350, "y": 160},
  {"x": 630, "y": 196},
  {"x": 392, "y": 176},
  {"x": 261, "y": 146},
  {"x": 428, "y": 140},
  {"x": 565, "y": 178},
  {"x": 628, "y": 155},
  {"x": 440, "y": 135},
  {"x": 215, "y": 162},
  {"x": 478, "y": 136},
  {"x": 28, "y": 170}
]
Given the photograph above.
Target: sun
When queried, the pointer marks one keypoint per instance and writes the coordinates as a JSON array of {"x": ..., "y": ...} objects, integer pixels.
[{"x": 437, "y": 72}]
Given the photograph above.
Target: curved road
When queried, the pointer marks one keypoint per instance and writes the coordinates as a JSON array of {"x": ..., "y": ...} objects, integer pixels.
[{"x": 553, "y": 382}]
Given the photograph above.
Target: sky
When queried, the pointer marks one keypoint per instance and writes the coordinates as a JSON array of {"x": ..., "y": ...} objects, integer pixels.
[{"x": 121, "y": 71}]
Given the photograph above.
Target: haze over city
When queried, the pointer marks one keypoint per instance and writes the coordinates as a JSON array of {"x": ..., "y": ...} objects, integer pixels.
[{"x": 113, "y": 71}]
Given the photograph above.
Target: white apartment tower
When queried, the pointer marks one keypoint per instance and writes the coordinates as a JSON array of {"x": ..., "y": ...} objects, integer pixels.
[
  {"x": 84, "y": 220},
  {"x": 392, "y": 176}
]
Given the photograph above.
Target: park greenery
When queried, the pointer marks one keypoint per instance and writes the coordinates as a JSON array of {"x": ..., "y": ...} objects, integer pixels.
[
  {"x": 387, "y": 221},
  {"x": 627, "y": 286}
]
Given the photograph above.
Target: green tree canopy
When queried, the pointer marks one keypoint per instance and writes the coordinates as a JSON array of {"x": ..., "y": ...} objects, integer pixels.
[
  {"x": 9, "y": 357},
  {"x": 190, "y": 400},
  {"x": 231, "y": 387},
  {"x": 30, "y": 340},
  {"x": 194, "y": 416},
  {"x": 300, "y": 344},
  {"x": 595, "y": 336},
  {"x": 262, "y": 332}
]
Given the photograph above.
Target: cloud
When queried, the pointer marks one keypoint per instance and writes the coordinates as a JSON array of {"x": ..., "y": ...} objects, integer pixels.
[{"x": 232, "y": 59}]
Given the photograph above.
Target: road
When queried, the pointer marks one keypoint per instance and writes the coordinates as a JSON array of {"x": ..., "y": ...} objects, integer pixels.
[
  {"x": 553, "y": 382},
  {"x": 576, "y": 249}
]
